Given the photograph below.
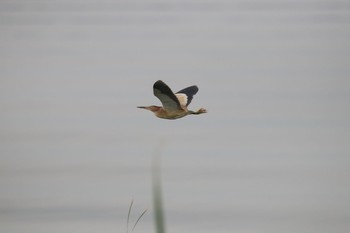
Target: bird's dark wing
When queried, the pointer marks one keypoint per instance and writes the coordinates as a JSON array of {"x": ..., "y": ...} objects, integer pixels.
[
  {"x": 166, "y": 96},
  {"x": 185, "y": 96}
]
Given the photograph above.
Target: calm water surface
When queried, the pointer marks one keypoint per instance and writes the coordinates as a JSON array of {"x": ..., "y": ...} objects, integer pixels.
[{"x": 271, "y": 155}]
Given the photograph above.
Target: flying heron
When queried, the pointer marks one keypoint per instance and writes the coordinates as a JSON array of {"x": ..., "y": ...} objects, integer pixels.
[{"x": 174, "y": 105}]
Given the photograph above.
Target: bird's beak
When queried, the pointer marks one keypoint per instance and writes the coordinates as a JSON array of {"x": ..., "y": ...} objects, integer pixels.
[{"x": 142, "y": 107}]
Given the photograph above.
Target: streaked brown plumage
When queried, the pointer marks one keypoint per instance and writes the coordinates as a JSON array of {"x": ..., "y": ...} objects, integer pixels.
[{"x": 174, "y": 105}]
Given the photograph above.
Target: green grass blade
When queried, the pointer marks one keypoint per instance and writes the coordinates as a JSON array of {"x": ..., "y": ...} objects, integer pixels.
[
  {"x": 128, "y": 219},
  {"x": 138, "y": 220}
]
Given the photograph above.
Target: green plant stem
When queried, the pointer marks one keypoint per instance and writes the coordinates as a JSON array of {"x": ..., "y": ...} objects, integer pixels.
[{"x": 157, "y": 194}]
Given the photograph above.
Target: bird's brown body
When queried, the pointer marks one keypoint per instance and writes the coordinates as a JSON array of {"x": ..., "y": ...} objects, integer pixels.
[
  {"x": 162, "y": 113},
  {"x": 174, "y": 105}
]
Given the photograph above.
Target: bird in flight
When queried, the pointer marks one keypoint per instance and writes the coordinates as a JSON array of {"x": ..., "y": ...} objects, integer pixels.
[{"x": 174, "y": 105}]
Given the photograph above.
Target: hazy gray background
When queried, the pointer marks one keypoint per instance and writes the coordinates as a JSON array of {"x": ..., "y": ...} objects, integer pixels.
[{"x": 272, "y": 154}]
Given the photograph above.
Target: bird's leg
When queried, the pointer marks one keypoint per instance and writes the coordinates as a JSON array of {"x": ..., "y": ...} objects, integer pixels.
[{"x": 200, "y": 111}]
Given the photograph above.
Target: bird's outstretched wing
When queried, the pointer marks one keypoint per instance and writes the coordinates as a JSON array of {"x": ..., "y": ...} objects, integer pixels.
[
  {"x": 185, "y": 96},
  {"x": 166, "y": 96}
]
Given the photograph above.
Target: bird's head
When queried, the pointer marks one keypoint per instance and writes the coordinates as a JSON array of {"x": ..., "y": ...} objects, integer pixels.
[{"x": 152, "y": 108}]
